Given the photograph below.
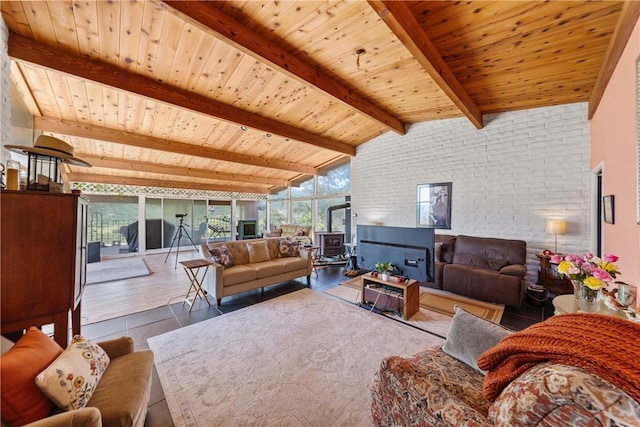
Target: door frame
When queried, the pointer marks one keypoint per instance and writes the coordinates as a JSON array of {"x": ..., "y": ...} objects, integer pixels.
[{"x": 597, "y": 236}]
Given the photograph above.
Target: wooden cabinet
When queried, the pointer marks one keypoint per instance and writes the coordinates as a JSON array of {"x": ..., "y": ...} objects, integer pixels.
[
  {"x": 43, "y": 240},
  {"x": 549, "y": 278}
]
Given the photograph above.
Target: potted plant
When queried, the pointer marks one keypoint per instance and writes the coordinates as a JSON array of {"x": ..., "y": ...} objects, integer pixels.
[{"x": 385, "y": 269}]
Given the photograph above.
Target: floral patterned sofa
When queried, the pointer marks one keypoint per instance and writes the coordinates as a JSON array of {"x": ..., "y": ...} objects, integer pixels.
[{"x": 433, "y": 388}]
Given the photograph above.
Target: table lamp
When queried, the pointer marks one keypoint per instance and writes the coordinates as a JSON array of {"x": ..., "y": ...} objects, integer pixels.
[{"x": 556, "y": 227}]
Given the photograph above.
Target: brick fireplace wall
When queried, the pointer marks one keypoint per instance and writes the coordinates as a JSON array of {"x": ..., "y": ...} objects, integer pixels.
[{"x": 508, "y": 178}]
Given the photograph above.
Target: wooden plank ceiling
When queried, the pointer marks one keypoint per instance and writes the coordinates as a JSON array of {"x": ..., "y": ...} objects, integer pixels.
[{"x": 249, "y": 96}]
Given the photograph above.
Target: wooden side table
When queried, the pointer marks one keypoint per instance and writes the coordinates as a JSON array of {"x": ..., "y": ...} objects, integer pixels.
[
  {"x": 549, "y": 278},
  {"x": 192, "y": 268},
  {"x": 314, "y": 253},
  {"x": 408, "y": 293}
]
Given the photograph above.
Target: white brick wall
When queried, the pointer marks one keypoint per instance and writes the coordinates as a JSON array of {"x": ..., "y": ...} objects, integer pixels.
[
  {"x": 5, "y": 91},
  {"x": 508, "y": 178}
]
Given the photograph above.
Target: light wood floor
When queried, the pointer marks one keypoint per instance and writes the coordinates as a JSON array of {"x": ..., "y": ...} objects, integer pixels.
[{"x": 165, "y": 285}]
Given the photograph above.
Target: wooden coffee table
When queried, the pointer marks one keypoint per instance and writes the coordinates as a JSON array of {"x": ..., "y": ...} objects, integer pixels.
[{"x": 407, "y": 292}]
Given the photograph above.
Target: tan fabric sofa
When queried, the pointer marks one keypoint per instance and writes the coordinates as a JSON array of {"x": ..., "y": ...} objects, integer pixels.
[
  {"x": 245, "y": 276},
  {"x": 297, "y": 233},
  {"x": 122, "y": 396}
]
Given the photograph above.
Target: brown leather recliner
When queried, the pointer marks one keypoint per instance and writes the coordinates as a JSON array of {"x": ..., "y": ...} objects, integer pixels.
[{"x": 488, "y": 269}]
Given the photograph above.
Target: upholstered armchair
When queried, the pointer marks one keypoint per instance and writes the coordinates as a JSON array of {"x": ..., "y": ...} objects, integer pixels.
[{"x": 120, "y": 399}]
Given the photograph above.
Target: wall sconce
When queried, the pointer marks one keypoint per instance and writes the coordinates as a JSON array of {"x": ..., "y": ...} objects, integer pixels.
[{"x": 556, "y": 227}]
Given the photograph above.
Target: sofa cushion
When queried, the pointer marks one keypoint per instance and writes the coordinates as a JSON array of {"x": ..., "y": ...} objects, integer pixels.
[
  {"x": 448, "y": 245},
  {"x": 239, "y": 252},
  {"x": 239, "y": 274},
  {"x": 288, "y": 230},
  {"x": 267, "y": 268},
  {"x": 222, "y": 255},
  {"x": 479, "y": 261},
  {"x": 288, "y": 248},
  {"x": 72, "y": 378},
  {"x": 258, "y": 252},
  {"x": 123, "y": 392},
  {"x": 292, "y": 263},
  {"x": 483, "y": 284},
  {"x": 489, "y": 253},
  {"x": 22, "y": 402},
  {"x": 469, "y": 336}
]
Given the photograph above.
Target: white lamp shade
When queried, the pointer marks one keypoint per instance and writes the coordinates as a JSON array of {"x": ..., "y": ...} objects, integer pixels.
[{"x": 557, "y": 227}]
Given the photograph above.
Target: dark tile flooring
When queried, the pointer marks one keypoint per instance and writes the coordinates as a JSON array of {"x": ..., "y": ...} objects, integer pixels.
[{"x": 143, "y": 325}]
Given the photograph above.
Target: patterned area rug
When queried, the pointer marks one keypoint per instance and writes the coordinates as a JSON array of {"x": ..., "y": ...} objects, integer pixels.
[
  {"x": 116, "y": 269},
  {"x": 302, "y": 359}
]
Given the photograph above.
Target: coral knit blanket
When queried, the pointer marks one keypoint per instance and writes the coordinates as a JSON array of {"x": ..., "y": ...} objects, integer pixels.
[{"x": 606, "y": 346}]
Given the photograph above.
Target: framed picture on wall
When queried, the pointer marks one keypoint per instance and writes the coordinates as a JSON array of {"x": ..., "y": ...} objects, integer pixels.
[
  {"x": 608, "y": 209},
  {"x": 434, "y": 205}
]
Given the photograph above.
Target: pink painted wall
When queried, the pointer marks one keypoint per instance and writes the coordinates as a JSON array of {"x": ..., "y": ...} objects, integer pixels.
[{"x": 614, "y": 143}]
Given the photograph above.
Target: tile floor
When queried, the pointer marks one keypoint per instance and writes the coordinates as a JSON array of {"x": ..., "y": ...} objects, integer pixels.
[{"x": 143, "y": 325}]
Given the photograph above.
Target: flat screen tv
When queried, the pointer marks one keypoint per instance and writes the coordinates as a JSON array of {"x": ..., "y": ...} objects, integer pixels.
[
  {"x": 409, "y": 249},
  {"x": 247, "y": 229}
]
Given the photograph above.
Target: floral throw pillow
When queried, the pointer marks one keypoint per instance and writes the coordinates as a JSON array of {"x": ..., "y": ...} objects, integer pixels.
[
  {"x": 222, "y": 255},
  {"x": 72, "y": 378},
  {"x": 288, "y": 249}
]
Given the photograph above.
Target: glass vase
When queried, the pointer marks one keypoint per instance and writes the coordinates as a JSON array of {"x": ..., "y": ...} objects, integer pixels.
[
  {"x": 589, "y": 299},
  {"x": 577, "y": 286}
]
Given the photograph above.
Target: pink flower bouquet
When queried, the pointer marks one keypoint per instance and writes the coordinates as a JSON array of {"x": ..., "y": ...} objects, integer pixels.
[{"x": 593, "y": 271}]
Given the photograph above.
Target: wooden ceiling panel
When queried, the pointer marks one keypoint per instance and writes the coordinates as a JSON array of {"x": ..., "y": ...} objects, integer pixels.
[
  {"x": 333, "y": 51},
  {"x": 37, "y": 80},
  {"x": 15, "y": 17},
  {"x": 171, "y": 91},
  {"x": 523, "y": 54}
]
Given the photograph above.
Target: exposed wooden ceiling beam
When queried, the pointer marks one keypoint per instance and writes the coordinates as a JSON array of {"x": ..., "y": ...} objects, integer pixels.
[
  {"x": 137, "y": 166},
  {"x": 255, "y": 45},
  {"x": 399, "y": 18},
  {"x": 82, "y": 130},
  {"x": 626, "y": 22},
  {"x": 42, "y": 55},
  {"x": 147, "y": 182}
]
